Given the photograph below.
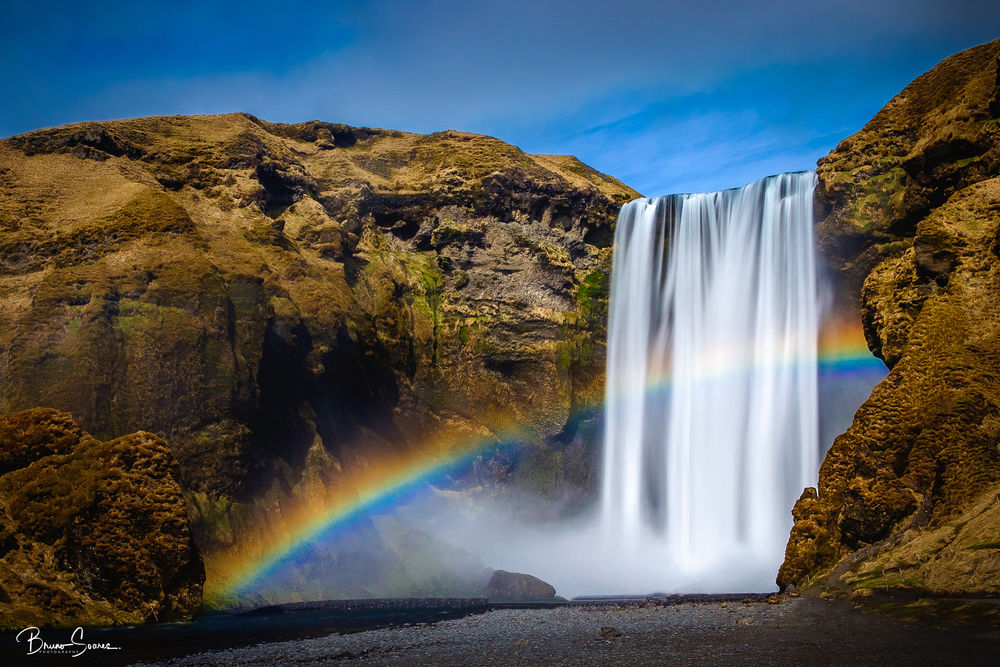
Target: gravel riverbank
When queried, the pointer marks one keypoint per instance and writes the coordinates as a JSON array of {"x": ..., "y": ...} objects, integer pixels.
[{"x": 793, "y": 631}]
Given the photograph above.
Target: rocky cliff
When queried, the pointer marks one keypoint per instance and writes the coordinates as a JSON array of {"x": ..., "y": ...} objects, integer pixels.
[
  {"x": 91, "y": 533},
  {"x": 286, "y": 304},
  {"x": 909, "y": 216},
  {"x": 290, "y": 304}
]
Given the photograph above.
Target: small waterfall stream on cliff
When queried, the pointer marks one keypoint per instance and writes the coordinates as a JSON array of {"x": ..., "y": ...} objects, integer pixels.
[{"x": 711, "y": 425}]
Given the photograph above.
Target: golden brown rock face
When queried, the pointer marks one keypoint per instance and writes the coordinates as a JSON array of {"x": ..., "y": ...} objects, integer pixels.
[
  {"x": 907, "y": 496},
  {"x": 286, "y": 304},
  {"x": 91, "y": 533}
]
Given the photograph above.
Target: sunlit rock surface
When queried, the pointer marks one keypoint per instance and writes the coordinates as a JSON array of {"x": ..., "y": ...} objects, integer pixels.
[
  {"x": 909, "y": 217},
  {"x": 91, "y": 533}
]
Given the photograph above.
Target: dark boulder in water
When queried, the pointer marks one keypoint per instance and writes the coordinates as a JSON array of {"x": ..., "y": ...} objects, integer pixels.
[
  {"x": 91, "y": 533},
  {"x": 517, "y": 587}
]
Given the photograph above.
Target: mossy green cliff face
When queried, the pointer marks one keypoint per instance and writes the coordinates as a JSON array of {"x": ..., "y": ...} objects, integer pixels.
[
  {"x": 910, "y": 216},
  {"x": 91, "y": 533},
  {"x": 286, "y": 304}
]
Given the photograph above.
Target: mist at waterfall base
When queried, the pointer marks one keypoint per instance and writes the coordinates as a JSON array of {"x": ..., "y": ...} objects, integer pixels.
[
  {"x": 718, "y": 410},
  {"x": 719, "y": 407}
]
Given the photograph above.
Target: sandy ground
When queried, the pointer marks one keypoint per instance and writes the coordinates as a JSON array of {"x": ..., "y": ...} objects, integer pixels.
[{"x": 795, "y": 631}]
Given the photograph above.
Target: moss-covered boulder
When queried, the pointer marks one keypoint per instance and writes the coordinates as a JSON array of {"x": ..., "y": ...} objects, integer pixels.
[
  {"x": 32, "y": 434},
  {"x": 911, "y": 217},
  {"x": 91, "y": 533}
]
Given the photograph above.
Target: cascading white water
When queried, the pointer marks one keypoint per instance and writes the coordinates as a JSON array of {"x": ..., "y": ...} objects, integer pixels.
[{"x": 711, "y": 427}]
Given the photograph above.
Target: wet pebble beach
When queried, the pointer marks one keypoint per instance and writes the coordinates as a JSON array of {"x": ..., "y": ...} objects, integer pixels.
[{"x": 790, "y": 631}]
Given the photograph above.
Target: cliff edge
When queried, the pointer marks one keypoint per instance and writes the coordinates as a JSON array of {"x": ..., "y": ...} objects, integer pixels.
[{"x": 909, "y": 217}]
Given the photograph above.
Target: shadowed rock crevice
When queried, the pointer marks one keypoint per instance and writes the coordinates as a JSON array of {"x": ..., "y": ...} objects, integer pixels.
[{"x": 95, "y": 144}]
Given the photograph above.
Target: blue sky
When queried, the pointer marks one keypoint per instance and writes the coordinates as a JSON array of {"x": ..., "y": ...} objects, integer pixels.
[{"x": 668, "y": 97}]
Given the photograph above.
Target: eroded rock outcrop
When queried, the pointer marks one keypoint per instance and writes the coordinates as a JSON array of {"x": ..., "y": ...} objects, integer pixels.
[
  {"x": 91, "y": 532},
  {"x": 910, "y": 216}
]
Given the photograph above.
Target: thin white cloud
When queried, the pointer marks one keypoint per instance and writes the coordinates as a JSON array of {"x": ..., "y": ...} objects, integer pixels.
[{"x": 549, "y": 75}]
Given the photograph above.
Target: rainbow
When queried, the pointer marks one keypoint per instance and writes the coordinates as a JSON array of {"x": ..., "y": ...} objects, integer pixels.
[
  {"x": 842, "y": 350},
  {"x": 381, "y": 489}
]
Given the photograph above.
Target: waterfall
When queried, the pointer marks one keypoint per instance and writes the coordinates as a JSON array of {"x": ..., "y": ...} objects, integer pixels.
[{"x": 711, "y": 427}]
